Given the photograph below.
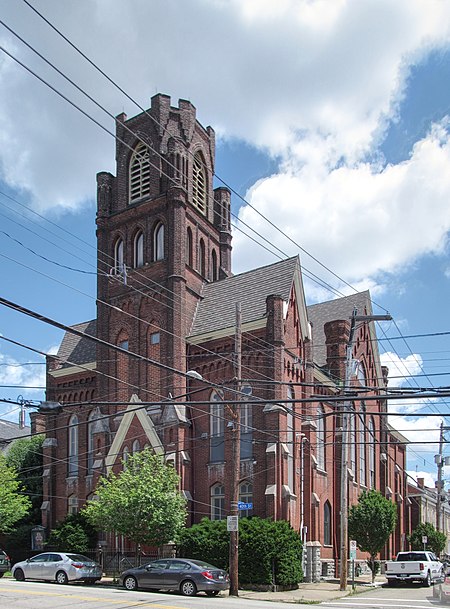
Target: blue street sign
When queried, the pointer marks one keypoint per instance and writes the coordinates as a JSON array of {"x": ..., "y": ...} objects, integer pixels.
[{"x": 244, "y": 506}]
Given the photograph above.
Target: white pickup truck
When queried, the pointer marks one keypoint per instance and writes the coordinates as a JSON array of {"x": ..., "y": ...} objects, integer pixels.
[{"x": 421, "y": 567}]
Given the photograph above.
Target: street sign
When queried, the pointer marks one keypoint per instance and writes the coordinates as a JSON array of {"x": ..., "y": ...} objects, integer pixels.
[
  {"x": 424, "y": 539},
  {"x": 244, "y": 506},
  {"x": 352, "y": 549},
  {"x": 232, "y": 523}
]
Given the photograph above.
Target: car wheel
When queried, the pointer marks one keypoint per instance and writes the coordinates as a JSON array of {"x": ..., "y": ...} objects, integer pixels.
[
  {"x": 188, "y": 588},
  {"x": 392, "y": 583},
  {"x": 61, "y": 578},
  {"x": 19, "y": 575},
  {"x": 212, "y": 592},
  {"x": 427, "y": 580},
  {"x": 130, "y": 583}
]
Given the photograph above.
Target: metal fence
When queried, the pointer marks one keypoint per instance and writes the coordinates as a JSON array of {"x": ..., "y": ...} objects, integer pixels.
[{"x": 114, "y": 562}]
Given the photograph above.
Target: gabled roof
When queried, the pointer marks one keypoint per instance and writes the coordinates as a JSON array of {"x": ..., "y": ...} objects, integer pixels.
[
  {"x": 9, "y": 431},
  {"x": 340, "y": 308},
  {"x": 217, "y": 310},
  {"x": 76, "y": 349}
]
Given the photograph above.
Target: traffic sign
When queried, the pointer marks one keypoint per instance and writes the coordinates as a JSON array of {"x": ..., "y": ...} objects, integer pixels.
[
  {"x": 352, "y": 549},
  {"x": 244, "y": 506}
]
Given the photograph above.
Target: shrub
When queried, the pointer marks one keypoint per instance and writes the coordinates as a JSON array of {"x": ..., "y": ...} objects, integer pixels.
[{"x": 269, "y": 552}]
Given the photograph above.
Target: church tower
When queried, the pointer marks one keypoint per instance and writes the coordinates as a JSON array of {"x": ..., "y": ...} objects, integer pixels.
[{"x": 162, "y": 233}]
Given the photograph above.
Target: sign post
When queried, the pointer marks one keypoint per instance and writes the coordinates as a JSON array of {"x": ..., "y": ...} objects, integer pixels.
[{"x": 353, "y": 558}]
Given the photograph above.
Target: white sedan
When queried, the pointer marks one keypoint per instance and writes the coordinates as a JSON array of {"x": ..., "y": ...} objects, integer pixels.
[{"x": 58, "y": 566}]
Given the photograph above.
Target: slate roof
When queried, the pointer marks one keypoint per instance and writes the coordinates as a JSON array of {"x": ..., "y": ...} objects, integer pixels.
[
  {"x": 217, "y": 310},
  {"x": 76, "y": 349},
  {"x": 9, "y": 430},
  {"x": 340, "y": 308}
]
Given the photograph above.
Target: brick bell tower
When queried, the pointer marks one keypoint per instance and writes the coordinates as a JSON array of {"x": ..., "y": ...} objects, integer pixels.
[{"x": 162, "y": 232}]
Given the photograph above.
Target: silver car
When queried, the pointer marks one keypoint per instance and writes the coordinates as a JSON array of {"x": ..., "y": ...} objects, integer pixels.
[
  {"x": 186, "y": 575},
  {"x": 58, "y": 566}
]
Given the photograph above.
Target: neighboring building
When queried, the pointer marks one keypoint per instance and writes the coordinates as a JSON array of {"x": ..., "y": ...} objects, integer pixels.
[
  {"x": 423, "y": 505},
  {"x": 167, "y": 298},
  {"x": 11, "y": 431}
]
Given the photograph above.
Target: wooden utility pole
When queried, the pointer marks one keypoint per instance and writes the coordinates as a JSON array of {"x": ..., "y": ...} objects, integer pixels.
[{"x": 236, "y": 457}]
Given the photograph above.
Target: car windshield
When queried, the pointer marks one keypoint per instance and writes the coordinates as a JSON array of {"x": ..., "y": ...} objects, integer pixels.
[
  {"x": 410, "y": 556},
  {"x": 79, "y": 558},
  {"x": 202, "y": 565}
]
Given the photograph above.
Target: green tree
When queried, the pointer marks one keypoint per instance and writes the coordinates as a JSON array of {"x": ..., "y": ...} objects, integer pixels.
[
  {"x": 436, "y": 541},
  {"x": 74, "y": 533},
  {"x": 25, "y": 455},
  {"x": 370, "y": 523},
  {"x": 13, "y": 505},
  {"x": 142, "y": 502}
]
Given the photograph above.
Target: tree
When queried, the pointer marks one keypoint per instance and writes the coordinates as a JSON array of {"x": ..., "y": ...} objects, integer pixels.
[
  {"x": 74, "y": 533},
  {"x": 142, "y": 502},
  {"x": 25, "y": 455},
  {"x": 436, "y": 541},
  {"x": 13, "y": 505},
  {"x": 370, "y": 523}
]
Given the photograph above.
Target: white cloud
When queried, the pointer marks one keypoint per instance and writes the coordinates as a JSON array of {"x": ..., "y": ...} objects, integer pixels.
[
  {"x": 429, "y": 479},
  {"x": 401, "y": 369}
]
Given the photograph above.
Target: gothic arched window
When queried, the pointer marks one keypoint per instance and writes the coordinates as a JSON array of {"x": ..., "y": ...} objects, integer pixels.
[
  {"x": 158, "y": 242},
  {"x": 327, "y": 524},
  {"x": 189, "y": 248},
  {"x": 138, "y": 250},
  {"x": 73, "y": 446},
  {"x": 139, "y": 173},
  {"x": 199, "y": 184},
  {"x": 215, "y": 268},
  {"x": 202, "y": 258},
  {"x": 217, "y": 502},
  {"x": 118, "y": 257},
  {"x": 320, "y": 438},
  {"x": 216, "y": 427}
]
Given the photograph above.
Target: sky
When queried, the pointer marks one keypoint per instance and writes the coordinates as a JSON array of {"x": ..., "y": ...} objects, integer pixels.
[{"x": 332, "y": 121}]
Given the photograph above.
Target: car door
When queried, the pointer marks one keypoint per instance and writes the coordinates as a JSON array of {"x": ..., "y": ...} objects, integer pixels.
[
  {"x": 175, "y": 572},
  {"x": 33, "y": 568},
  {"x": 51, "y": 565},
  {"x": 152, "y": 575}
]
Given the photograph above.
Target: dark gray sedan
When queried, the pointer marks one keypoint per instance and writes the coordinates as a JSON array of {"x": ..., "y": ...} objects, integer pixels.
[{"x": 186, "y": 575}]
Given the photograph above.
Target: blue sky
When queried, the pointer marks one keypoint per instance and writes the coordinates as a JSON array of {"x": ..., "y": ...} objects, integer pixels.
[{"x": 332, "y": 119}]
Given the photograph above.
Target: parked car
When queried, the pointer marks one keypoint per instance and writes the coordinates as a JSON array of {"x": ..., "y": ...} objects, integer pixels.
[
  {"x": 441, "y": 588},
  {"x": 184, "y": 574},
  {"x": 58, "y": 566},
  {"x": 414, "y": 566},
  {"x": 5, "y": 564}
]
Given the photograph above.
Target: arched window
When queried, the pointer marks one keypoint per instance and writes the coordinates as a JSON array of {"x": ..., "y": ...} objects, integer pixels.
[
  {"x": 320, "y": 437},
  {"x": 215, "y": 268},
  {"x": 245, "y": 496},
  {"x": 246, "y": 412},
  {"x": 73, "y": 446},
  {"x": 125, "y": 456},
  {"x": 199, "y": 184},
  {"x": 189, "y": 248},
  {"x": 217, "y": 502},
  {"x": 327, "y": 524},
  {"x": 202, "y": 258},
  {"x": 362, "y": 444},
  {"x": 118, "y": 257},
  {"x": 136, "y": 447},
  {"x": 216, "y": 426},
  {"x": 138, "y": 250},
  {"x": 139, "y": 173},
  {"x": 158, "y": 242},
  {"x": 72, "y": 504},
  {"x": 290, "y": 439},
  {"x": 352, "y": 442},
  {"x": 90, "y": 437},
  {"x": 371, "y": 452}
]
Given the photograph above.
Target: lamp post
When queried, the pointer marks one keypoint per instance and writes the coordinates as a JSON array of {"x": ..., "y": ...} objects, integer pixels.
[{"x": 346, "y": 407}]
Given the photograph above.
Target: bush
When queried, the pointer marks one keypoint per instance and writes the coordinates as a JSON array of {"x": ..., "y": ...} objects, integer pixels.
[
  {"x": 269, "y": 552},
  {"x": 74, "y": 534}
]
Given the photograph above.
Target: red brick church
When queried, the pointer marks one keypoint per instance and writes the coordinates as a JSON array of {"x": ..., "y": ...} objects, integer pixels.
[{"x": 167, "y": 298}]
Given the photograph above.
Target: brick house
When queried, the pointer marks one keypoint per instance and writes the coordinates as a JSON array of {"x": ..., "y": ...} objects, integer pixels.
[{"x": 167, "y": 298}]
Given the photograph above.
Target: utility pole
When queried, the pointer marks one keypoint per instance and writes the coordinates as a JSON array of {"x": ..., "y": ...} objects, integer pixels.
[
  {"x": 236, "y": 457},
  {"x": 344, "y": 453},
  {"x": 440, "y": 466},
  {"x": 347, "y": 408}
]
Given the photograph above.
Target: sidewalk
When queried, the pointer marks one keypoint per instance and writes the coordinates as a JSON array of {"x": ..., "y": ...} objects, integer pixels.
[{"x": 320, "y": 592}]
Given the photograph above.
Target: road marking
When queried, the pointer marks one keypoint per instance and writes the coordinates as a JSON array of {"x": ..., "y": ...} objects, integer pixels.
[
  {"x": 382, "y": 604},
  {"x": 93, "y": 599}
]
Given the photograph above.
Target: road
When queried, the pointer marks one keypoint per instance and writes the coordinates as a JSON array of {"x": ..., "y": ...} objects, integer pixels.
[{"x": 35, "y": 595}]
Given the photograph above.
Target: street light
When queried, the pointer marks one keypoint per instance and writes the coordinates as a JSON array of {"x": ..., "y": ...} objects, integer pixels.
[{"x": 344, "y": 450}]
